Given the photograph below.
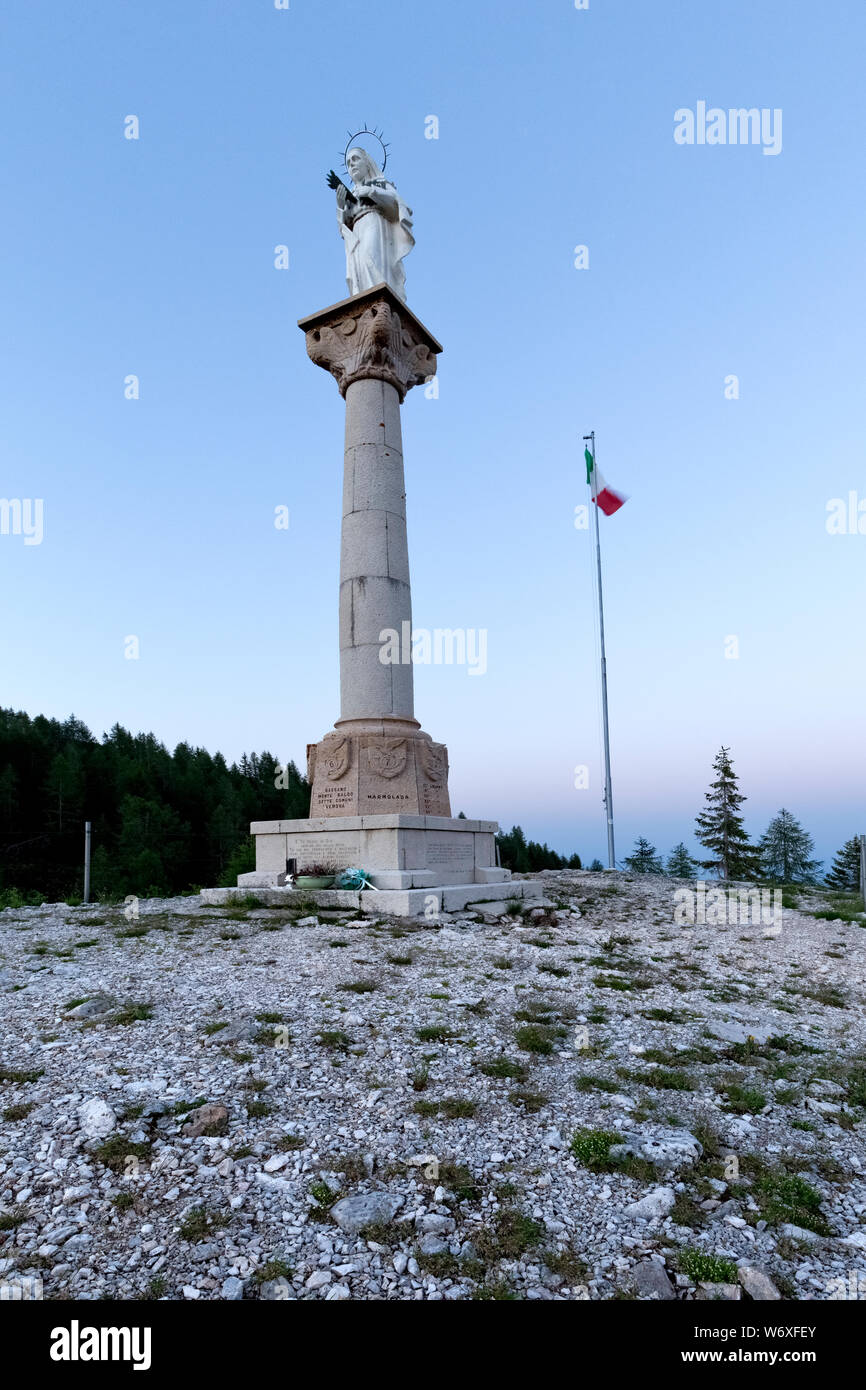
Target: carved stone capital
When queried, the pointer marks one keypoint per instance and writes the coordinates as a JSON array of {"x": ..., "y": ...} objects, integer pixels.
[
  {"x": 364, "y": 774},
  {"x": 372, "y": 335}
]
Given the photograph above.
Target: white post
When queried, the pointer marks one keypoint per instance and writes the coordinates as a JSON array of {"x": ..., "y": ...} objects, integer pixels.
[{"x": 87, "y": 861}]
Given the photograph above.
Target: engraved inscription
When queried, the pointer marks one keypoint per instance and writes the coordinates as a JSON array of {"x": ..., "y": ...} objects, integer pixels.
[
  {"x": 332, "y": 850},
  {"x": 450, "y": 854},
  {"x": 334, "y": 798}
]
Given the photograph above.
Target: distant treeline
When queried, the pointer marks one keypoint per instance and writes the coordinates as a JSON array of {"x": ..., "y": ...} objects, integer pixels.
[
  {"x": 161, "y": 822},
  {"x": 524, "y": 856}
]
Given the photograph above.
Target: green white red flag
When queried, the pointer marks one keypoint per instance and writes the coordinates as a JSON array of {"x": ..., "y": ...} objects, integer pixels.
[{"x": 606, "y": 498}]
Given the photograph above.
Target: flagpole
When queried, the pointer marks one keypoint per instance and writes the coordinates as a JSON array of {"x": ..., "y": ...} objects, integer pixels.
[{"x": 608, "y": 790}]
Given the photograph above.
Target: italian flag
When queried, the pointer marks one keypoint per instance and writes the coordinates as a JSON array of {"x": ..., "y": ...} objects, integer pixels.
[{"x": 604, "y": 496}]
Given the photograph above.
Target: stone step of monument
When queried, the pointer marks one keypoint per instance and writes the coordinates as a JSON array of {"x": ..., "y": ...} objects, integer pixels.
[{"x": 412, "y": 902}]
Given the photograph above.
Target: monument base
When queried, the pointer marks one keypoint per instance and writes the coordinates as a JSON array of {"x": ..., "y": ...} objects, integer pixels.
[
  {"x": 397, "y": 852},
  {"x": 411, "y": 902}
]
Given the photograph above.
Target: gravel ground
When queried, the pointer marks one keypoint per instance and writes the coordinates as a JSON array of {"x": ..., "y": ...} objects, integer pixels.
[{"x": 586, "y": 1101}]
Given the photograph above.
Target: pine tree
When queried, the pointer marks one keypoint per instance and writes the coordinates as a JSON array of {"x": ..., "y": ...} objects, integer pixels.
[
  {"x": 159, "y": 819},
  {"x": 596, "y": 867},
  {"x": 785, "y": 849},
  {"x": 241, "y": 861},
  {"x": 845, "y": 871},
  {"x": 680, "y": 863},
  {"x": 64, "y": 789},
  {"x": 720, "y": 828},
  {"x": 644, "y": 860},
  {"x": 513, "y": 851},
  {"x": 8, "y": 796}
]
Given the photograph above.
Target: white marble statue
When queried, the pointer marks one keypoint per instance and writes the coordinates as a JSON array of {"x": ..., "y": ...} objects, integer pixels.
[{"x": 375, "y": 224}]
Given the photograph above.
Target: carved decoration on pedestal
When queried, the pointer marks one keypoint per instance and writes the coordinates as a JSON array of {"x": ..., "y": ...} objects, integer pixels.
[
  {"x": 337, "y": 759},
  {"x": 370, "y": 774},
  {"x": 388, "y": 758},
  {"x": 372, "y": 335},
  {"x": 434, "y": 761}
]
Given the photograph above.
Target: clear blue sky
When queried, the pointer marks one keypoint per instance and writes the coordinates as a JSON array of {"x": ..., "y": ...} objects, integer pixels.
[{"x": 155, "y": 257}]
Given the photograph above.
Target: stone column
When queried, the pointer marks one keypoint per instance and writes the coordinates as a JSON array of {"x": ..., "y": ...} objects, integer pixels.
[
  {"x": 378, "y": 760},
  {"x": 374, "y": 557}
]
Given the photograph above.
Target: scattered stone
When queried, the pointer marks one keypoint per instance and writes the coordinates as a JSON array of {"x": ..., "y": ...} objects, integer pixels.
[
  {"x": 278, "y": 1161},
  {"x": 742, "y": 1033},
  {"x": 435, "y": 1225},
  {"x": 651, "y": 1281},
  {"x": 96, "y": 1118},
  {"x": 96, "y": 1007},
  {"x": 670, "y": 1149},
  {"x": 353, "y": 1213},
  {"x": 433, "y": 1245},
  {"x": 654, "y": 1205},
  {"x": 757, "y": 1283},
  {"x": 105, "y": 1223},
  {"x": 238, "y": 1031},
  {"x": 799, "y": 1233},
  {"x": 204, "y": 1118}
]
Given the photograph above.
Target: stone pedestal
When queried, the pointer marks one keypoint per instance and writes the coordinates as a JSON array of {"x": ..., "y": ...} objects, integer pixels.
[
  {"x": 396, "y": 851},
  {"x": 418, "y": 865},
  {"x": 379, "y": 782},
  {"x": 376, "y": 773}
]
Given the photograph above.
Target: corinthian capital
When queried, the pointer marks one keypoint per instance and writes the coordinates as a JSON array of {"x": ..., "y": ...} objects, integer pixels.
[{"x": 373, "y": 335}]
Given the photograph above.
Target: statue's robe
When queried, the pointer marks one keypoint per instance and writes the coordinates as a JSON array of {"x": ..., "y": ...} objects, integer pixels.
[{"x": 375, "y": 244}]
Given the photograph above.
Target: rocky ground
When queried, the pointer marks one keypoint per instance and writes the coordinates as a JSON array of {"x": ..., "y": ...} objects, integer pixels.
[{"x": 589, "y": 1100}]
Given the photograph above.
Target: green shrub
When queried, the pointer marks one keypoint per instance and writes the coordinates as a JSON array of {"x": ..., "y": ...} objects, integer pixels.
[{"x": 707, "y": 1269}]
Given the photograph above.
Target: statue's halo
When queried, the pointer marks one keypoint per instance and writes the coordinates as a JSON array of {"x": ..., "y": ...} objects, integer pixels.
[{"x": 377, "y": 135}]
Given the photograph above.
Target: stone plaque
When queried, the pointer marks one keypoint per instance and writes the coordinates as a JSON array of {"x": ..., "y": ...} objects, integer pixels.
[
  {"x": 336, "y": 851},
  {"x": 460, "y": 852}
]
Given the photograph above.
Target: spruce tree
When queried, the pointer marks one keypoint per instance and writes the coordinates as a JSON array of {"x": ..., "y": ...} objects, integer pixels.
[
  {"x": 644, "y": 860},
  {"x": 720, "y": 827},
  {"x": 596, "y": 867},
  {"x": 786, "y": 851},
  {"x": 680, "y": 863},
  {"x": 845, "y": 871},
  {"x": 513, "y": 851}
]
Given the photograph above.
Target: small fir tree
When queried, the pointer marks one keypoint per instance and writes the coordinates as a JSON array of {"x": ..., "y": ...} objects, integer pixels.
[
  {"x": 844, "y": 872},
  {"x": 644, "y": 859},
  {"x": 786, "y": 851},
  {"x": 680, "y": 863},
  {"x": 720, "y": 827}
]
